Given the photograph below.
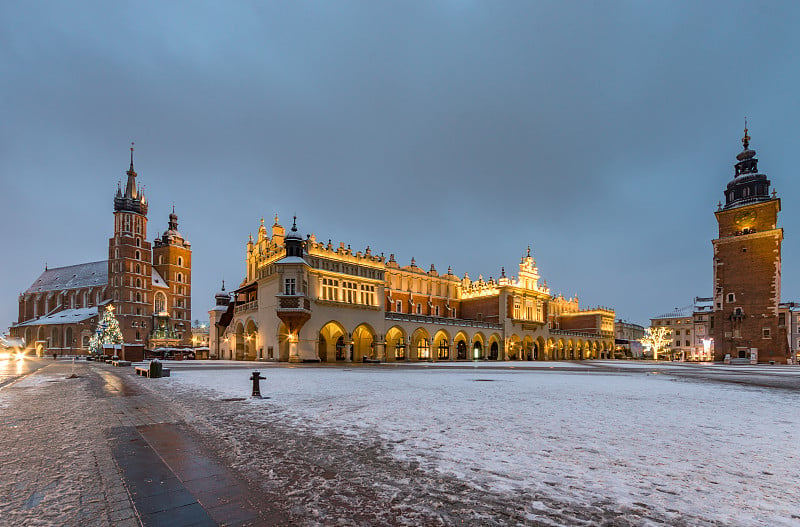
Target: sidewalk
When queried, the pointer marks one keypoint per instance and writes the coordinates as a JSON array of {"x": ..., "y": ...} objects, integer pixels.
[{"x": 56, "y": 462}]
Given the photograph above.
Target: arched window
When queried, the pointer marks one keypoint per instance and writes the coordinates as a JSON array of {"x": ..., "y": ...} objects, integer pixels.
[
  {"x": 160, "y": 304},
  {"x": 160, "y": 259},
  {"x": 138, "y": 282},
  {"x": 138, "y": 269},
  {"x": 180, "y": 261},
  {"x": 138, "y": 296},
  {"x": 138, "y": 255},
  {"x": 138, "y": 242},
  {"x": 180, "y": 277}
]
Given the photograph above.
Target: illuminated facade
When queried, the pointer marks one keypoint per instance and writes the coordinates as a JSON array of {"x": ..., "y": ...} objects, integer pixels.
[
  {"x": 305, "y": 300},
  {"x": 148, "y": 284}
]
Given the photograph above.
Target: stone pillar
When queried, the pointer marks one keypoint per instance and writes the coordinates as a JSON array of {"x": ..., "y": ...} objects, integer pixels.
[{"x": 380, "y": 350}]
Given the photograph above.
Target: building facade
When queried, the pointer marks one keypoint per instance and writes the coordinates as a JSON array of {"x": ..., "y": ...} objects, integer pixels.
[
  {"x": 627, "y": 340},
  {"x": 149, "y": 285},
  {"x": 747, "y": 268},
  {"x": 690, "y": 330},
  {"x": 305, "y": 300}
]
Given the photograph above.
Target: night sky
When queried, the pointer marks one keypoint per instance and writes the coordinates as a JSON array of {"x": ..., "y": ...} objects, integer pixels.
[{"x": 457, "y": 132}]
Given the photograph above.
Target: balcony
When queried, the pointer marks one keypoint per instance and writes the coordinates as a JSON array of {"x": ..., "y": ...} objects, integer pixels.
[
  {"x": 244, "y": 308},
  {"x": 441, "y": 321},
  {"x": 293, "y": 310}
]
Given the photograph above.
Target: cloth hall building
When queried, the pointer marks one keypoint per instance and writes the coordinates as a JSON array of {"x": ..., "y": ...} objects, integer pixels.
[
  {"x": 148, "y": 285},
  {"x": 304, "y": 300}
]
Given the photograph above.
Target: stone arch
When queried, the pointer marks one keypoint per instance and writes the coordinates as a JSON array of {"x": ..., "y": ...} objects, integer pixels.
[
  {"x": 55, "y": 337},
  {"x": 363, "y": 342},
  {"x": 495, "y": 353},
  {"x": 539, "y": 348},
  {"x": 514, "y": 350},
  {"x": 421, "y": 345},
  {"x": 237, "y": 346},
  {"x": 396, "y": 344},
  {"x": 478, "y": 346},
  {"x": 250, "y": 340},
  {"x": 336, "y": 341},
  {"x": 461, "y": 346},
  {"x": 560, "y": 349},
  {"x": 441, "y": 345},
  {"x": 527, "y": 348}
]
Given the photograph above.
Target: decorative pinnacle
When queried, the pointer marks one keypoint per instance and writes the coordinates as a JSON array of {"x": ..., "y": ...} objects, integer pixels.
[
  {"x": 529, "y": 250},
  {"x": 132, "y": 156},
  {"x": 294, "y": 223},
  {"x": 223, "y": 285},
  {"x": 746, "y": 138}
]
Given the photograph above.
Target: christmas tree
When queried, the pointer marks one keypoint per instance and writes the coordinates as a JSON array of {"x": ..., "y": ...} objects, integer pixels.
[{"x": 107, "y": 332}]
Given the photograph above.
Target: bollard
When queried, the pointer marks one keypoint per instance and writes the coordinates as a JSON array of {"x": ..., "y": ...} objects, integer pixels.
[
  {"x": 155, "y": 369},
  {"x": 256, "y": 388}
]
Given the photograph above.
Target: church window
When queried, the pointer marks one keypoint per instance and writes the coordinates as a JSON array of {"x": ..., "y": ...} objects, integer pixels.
[
  {"x": 419, "y": 309},
  {"x": 180, "y": 261},
  {"x": 399, "y": 307},
  {"x": 138, "y": 296},
  {"x": 138, "y": 242},
  {"x": 138, "y": 269},
  {"x": 138, "y": 282},
  {"x": 179, "y": 277},
  {"x": 138, "y": 255},
  {"x": 160, "y": 302},
  {"x": 437, "y": 311},
  {"x": 116, "y": 253}
]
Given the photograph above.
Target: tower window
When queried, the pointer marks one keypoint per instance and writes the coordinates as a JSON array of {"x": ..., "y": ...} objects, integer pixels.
[
  {"x": 731, "y": 297},
  {"x": 138, "y": 255},
  {"x": 180, "y": 261},
  {"x": 138, "y": 242},
  {"x": 290, "y": 286},
  {"x": 179, "y": 277},
  {"x": 765, "y": 333}
]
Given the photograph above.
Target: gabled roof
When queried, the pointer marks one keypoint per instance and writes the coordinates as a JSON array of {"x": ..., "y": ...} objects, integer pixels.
[
  {"x": 90, "y": 274},
  {"x": 67, "y": 316}
]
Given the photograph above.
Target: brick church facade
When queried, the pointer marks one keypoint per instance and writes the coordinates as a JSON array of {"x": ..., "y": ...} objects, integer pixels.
[
  {"x": 148, "y": 284},
  {"x": 747, "y": 268}
]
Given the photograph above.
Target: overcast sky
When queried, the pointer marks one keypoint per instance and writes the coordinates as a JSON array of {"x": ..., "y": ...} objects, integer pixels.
[{"x": 457, "y": 132}]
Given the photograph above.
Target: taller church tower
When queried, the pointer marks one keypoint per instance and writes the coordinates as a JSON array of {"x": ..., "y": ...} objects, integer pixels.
[
  {"x": 129, "y": 260},
  {"x": 747, "y": 267}
]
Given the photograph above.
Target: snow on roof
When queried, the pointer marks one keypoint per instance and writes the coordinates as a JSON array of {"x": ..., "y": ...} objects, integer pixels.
[
  {"x": 71, "y": 277},
  {"x": 678, "y": 312},
  {"x": 157, "y": 280},
  {"x": 292, "y": 260},
  {"x": 67, "y": 316}
]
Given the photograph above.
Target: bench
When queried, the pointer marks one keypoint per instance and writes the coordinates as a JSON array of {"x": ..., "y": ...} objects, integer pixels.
[
  {"x": 120, "y": 363},
  {"x": 144, "y": 371}
]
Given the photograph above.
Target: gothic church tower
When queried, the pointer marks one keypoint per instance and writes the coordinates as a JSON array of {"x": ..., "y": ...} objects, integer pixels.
[
  {"x": 747, "y": 267},
  {"x": 129, "y": 259}
]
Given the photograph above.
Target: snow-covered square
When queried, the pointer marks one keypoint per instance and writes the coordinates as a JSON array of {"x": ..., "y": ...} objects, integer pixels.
[{"x": 633, "y": 439}]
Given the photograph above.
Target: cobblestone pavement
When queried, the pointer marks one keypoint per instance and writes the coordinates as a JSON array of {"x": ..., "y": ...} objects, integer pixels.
[{"x": 55, "y": 461}]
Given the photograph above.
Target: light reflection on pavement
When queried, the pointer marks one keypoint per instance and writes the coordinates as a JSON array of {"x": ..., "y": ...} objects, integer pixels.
[{"x": 13, "y": 369}]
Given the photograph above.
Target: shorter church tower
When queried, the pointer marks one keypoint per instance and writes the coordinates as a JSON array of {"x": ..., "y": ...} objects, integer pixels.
[
  {"x": 747, "y": 267},
  {"x": 172, "y": 263}
]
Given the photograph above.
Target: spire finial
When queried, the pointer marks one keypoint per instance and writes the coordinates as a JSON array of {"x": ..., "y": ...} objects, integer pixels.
[
  {"x": 529, "y": 251},
  {"x": 132, "y": 143},
  {"x": 746, "y": 138},
  {"x": 223, "y": 285},
  {"x": 294, "y": 223}
]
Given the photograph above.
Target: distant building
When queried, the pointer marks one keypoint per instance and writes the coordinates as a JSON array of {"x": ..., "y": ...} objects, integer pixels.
[
  {"x": 148, "y": 284},
  {"x": 306, "y": 300},
  {"x": 747, "y": 268},
  {"x": 789, "y": 318},
  {"x": 627, "y": 337},
  {"x": 690, "y": 327}
]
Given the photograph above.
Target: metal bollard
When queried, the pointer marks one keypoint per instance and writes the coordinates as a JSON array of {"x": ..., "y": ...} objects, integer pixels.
[{"x": 256, "y": 388}]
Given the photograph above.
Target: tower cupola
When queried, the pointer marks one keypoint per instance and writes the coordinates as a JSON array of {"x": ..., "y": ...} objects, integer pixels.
[
  {"x": 747, "y": 185},
  {"x": 294, "y": 242}
]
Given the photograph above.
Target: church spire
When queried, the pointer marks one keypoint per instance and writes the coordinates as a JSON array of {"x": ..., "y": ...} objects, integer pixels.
[{"x": 133, "y": 199}]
